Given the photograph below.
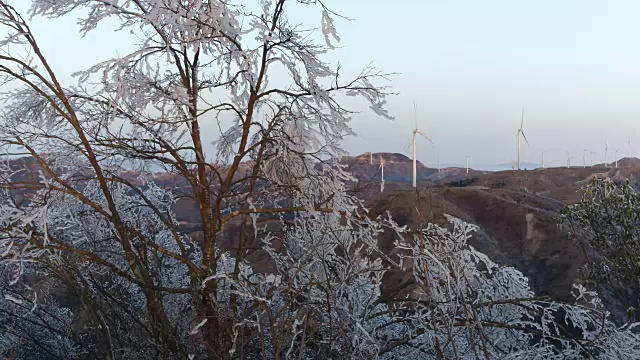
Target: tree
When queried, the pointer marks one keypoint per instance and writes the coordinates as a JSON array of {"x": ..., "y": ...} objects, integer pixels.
[
  {"x": 93, "y": 260},
  {"x": 606, "y": 224},
  {"x": 147, "y": 108}
]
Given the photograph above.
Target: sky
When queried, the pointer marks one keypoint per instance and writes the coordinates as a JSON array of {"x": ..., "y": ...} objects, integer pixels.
[{"x": 470, "y": 66}]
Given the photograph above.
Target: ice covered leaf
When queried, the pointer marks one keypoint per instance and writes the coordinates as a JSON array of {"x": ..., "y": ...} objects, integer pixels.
[{"x": 328, "y": 29}]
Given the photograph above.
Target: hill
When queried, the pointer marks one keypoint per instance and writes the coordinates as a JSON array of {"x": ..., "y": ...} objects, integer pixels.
[
  {"x": 627, "y": 162},
  {"x": 516, "y": 228},
  {"x": 517, "y": 212},
  {"x": 397, "y": 167}
]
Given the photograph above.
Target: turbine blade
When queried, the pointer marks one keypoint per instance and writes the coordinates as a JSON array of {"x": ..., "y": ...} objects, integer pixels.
[
  {"x": 415, "y": 114},
  {"x": 425, "y": 136},
  {"x": 522, "y": 119},
  {"x": 525, "y": 138}
]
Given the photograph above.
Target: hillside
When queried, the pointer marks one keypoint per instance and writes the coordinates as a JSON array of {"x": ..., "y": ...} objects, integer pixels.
[
  {"x": 517, "y": 212},
  {"x": 516, "y": 228}
]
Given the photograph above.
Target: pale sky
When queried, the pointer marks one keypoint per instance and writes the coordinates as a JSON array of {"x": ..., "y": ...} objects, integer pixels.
[{"x": 470, "y": 65}]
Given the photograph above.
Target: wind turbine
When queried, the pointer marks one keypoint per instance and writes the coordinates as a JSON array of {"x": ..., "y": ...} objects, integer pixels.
[
  {"x": 468, "y": 163},
  {"x": 416, "y": 131},
  {"x": 569, "y": 157},
  {"x": 381, "y": 174},
  {"x": 584, "y": 157},
  {"x": 521, "y": 132},
  {"x": 591, "y": 152}
]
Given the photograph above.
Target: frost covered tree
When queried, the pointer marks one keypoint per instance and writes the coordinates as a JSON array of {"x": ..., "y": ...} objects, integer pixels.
[
  {"x": 197, "y": 64},
  {"x": 94, "y": 263},
  {"x": 606, "y": 224}
]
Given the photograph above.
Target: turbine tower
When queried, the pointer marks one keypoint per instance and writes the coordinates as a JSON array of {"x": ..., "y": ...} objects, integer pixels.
[
  {"x": 521, "y": 132},
  {"x": 606, "y": 150},
  {"x": 542, "y": 162},
  {"x": 381, "y": 174},
  {"x": 569, "y": 157},
  {"x": 416, "y": 131},
  {"x": 584, "y": 157},
  {"x": 591, "y": 152},
  {"x": 468, "y": 163}
]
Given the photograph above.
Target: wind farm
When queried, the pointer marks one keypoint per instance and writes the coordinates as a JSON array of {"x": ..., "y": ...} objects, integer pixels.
[
  {"x": 528, "y": 154},
  {"x": 395, "y": 171}
]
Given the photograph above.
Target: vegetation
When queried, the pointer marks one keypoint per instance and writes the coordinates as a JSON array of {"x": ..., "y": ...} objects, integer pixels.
[
  {"x": 463, "y": 182},
  {"x": 93, "y": 263},
  {"x": 606, "y": 224}
]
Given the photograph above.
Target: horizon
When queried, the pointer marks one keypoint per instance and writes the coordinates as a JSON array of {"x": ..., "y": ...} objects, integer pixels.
[{"x": 497, "y": 167}]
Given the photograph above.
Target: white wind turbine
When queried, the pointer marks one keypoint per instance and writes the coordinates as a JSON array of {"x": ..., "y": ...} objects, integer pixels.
[
  {"x": 569, "y": 157},
  {"x": 416, "y": 131},
  {"x": 521, "y": 132},
  {"x": 468, "y": 157},
  {"x": 381, "y": 174}
]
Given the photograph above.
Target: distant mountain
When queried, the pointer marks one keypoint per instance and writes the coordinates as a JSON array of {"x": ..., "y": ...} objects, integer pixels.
[{"x": 397, "y": 167}]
